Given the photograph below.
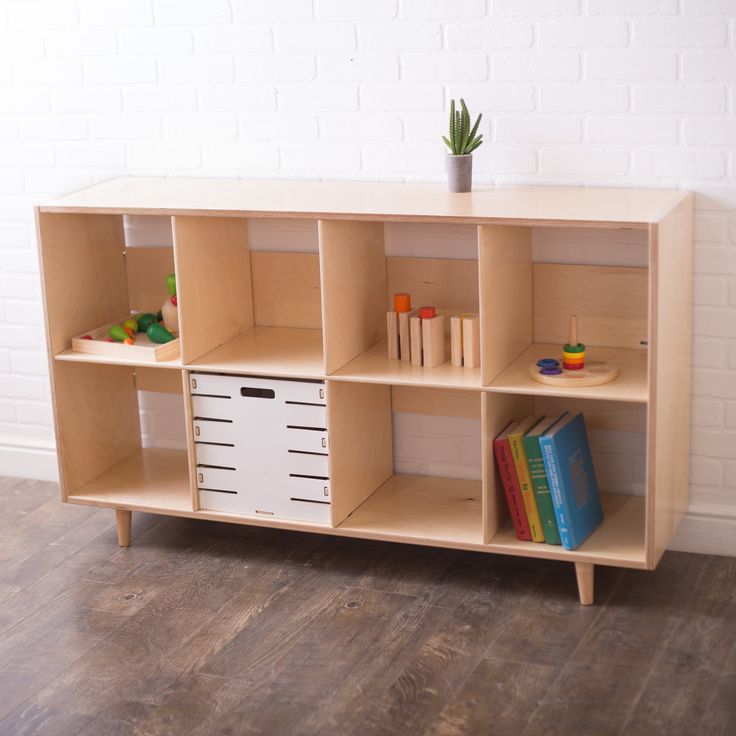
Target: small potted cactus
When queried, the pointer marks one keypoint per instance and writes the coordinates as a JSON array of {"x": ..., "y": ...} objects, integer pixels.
[{"x": 462, "y": 142}]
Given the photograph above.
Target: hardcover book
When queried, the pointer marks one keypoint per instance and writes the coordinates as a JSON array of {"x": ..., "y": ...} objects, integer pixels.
[
  {"x": 516, "y": 443},
  {"x": 505, "y": 465},
  {"x": 538, "y": 475},
  {"x": 572, "y": 481}
]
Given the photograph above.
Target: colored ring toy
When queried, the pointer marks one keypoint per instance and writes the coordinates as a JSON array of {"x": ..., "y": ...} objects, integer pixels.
[
  {"x": 579, "y": 348},
  {"x": 569, "y": 367},
  {"x": 548, "y": 363},
  {"x": 551, "y": 371}
]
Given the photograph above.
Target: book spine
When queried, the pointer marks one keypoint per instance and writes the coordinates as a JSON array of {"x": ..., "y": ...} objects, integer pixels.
[
  {"x": 511, "y": 489},
  {"x": 522, "y": 472},
  {"x": 540, "y": 486},
  {"x": 558, "y": 503}
]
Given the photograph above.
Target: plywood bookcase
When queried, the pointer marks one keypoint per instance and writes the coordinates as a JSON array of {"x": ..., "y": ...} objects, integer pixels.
[{"x": 321, "y": 317}]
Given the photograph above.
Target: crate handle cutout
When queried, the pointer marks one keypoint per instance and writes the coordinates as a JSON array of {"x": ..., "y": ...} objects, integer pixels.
[
  {"x": 309, "y": 500},
  {"x": 257, "y": 393}
]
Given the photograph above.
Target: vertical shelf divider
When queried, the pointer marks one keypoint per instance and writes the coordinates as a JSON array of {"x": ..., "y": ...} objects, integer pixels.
[
  {"x": 361, "y": 439},
  {"x": 353, "y": 276},
  {"x": 505, "y": 274},
  {"x": 213, "y": 277}
]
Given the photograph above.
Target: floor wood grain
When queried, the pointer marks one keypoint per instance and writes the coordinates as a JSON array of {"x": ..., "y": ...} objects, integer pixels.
[{"x": 202, "y": 628}]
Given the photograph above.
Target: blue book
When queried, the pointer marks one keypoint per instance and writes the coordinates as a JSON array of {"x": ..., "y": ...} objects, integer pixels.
[{"x": 572, "y": 482}]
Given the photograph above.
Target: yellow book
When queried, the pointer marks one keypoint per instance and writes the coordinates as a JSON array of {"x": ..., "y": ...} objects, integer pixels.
[{"x": 516, "y": 443}]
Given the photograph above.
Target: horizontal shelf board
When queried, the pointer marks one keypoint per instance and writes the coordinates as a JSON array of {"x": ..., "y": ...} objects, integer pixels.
[
  {"x": 269, "y": 351},
  {"x": 148, "y": 480},
  {"x": 630, "y": 385},
  {"x": 373, "y": 366},
  {"x": 411, "y": 508},
  {"x": 73, "y": 356},
  {"x": 619, "y": 540},
  {"x": 428, "y": 202}
]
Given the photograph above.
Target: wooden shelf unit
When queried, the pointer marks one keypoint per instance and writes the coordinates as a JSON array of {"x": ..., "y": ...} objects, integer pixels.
[{"x": 321, "y": 316}]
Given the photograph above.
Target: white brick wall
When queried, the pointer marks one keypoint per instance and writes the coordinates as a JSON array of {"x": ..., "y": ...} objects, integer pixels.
[{"x": 596, "y": 92}]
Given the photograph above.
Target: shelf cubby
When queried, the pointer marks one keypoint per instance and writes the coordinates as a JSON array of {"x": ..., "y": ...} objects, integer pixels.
[
  {"x": 102, "y": 460},
  {"x": 621, "y": 538},
  {"x": 369, "y": 497},
  {"x": 239, "y": 310},
  {"x": 355, "y": 306}
]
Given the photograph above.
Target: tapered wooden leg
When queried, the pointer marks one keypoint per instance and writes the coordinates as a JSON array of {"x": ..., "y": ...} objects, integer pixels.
[
  {"x": 584, "y": 574},
  {"x": 123, "y": 520}
]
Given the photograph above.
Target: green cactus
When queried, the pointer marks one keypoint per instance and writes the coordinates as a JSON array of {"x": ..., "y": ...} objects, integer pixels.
[{"x": 463, "y": 138}]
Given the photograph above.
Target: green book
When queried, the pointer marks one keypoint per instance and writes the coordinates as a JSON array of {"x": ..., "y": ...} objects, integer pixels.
[{"x": 540, "y": 486}]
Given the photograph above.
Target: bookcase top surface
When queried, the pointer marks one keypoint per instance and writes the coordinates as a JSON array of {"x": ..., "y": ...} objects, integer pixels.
[{"x": 363, "y": 200}]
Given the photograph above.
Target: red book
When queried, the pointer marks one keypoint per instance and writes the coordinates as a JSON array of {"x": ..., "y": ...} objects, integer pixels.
[{"x": 507, "y": 471}]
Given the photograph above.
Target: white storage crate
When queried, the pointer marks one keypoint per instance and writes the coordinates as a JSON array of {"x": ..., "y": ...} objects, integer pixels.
[{"x": 261, "y": 446}]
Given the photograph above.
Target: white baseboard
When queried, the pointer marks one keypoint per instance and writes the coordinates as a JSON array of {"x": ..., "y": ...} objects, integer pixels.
[
  {"x": 706, "y": 534},
  {"x": 37, "y": 463},
  {"x": 702, "y": 533}
]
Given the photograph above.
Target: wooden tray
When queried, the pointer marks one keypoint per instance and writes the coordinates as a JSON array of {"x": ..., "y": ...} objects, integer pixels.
[{"x": 143, "y": 350}]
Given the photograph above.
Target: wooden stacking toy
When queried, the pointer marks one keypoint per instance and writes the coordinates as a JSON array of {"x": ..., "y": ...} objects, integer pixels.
[
  {"x": 170, "y": 308},
  {"x": 572, "y": 370}
]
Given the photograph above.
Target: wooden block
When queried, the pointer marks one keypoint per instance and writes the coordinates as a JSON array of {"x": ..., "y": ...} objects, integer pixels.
[
  {"x": 456, "y": 340},
  {"x": 471, "y": 341},
  {"x": 415, "y": 328},
  {"x": 404, "y": 335},
  {"x": 392, "y": 331},
  {"x": 433, "y": 340}
]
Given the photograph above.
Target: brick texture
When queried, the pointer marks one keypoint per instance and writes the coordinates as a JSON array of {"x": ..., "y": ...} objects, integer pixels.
[{"x": 579, "y": 92}]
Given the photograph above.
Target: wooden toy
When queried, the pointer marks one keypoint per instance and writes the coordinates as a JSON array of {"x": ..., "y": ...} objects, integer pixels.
[
  {"x": 405, "y": 335},
  {"x": 456, "y": 340},
  {"x": 169, "y": 310},
  {"x": 415, "y": 327},
  {"x": 573, "y": 370},
  {"x": 471, "y": 340},
  {"x": 144, "y": 320},
  {"x": 392, "y": 331},
  {"x": 117, "y": 333},
  {"x": 402, "y": 306},
  {"x": 433, "y": 340},
  {"x": 158, "y": 333},
  {"x": 130, "y": 326}
]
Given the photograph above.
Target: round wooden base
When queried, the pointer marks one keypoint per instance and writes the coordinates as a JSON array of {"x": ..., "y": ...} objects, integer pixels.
[{"x": 595, "y": 373}]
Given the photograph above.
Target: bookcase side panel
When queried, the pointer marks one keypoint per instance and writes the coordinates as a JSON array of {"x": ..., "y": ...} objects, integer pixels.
[
  {"x": 505, "y": 271},
  {"x": 353, "y": 275},
  {"x": 670, "y": 375},
  {"x": 213, "y": 277},
  {"x": 360, "y": 438}
]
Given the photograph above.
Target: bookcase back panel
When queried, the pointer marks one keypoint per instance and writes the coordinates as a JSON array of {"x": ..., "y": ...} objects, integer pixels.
[
  {"x": 435, "y": 401},
  {"x": 611, "y": 415},
  {"x": 610, "y": 304},
  {"x": 449, "y": 285},
  {"x": 147, "y": 269},
  {"x": 154, "y": 379},
  {"x": 286, "y": 290}
]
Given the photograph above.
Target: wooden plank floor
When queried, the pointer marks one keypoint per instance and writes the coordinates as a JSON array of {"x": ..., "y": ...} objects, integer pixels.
[{"x": 203, "y": 628}]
